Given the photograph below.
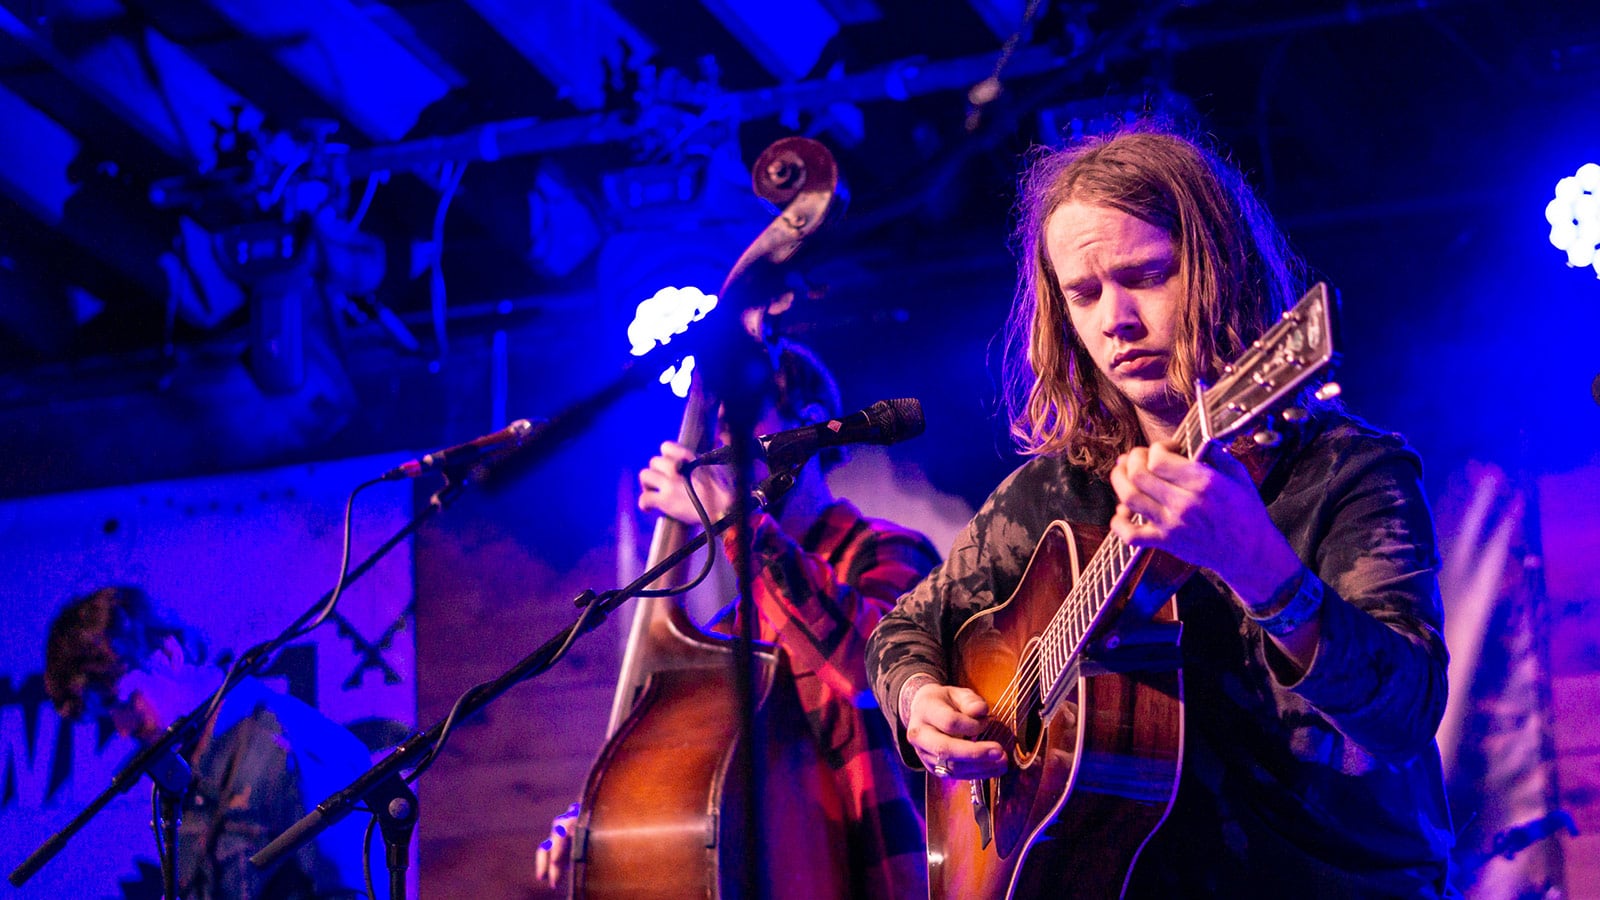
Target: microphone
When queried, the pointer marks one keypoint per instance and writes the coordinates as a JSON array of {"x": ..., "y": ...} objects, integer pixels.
[
  {"x": 506, "y": 438},
  {"x": 885, "y": 422}
]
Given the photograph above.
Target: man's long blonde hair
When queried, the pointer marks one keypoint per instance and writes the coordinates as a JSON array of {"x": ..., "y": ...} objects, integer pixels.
[{"x": 1234, "y": 265}]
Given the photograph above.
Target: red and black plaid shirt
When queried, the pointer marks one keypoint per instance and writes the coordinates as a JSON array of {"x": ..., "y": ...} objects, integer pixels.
[{"x": 819, "y": 601}]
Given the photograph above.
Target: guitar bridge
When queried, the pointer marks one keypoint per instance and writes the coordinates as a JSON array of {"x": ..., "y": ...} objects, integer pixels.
[{"x": 980, "y": 811}]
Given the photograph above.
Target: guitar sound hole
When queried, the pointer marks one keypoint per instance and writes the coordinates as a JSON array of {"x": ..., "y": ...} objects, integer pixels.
[{"x": 1030, "y": 726}]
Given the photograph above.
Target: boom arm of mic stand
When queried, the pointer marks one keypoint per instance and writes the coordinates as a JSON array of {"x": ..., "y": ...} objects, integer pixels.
[
  {"x": 554, "y": 431},
  {"x": 339, "y": 804},
  {"x": 121, "y": 783}
]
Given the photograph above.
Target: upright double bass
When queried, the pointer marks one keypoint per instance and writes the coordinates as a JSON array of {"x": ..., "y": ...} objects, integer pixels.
[{"x": 663, "y": 807}]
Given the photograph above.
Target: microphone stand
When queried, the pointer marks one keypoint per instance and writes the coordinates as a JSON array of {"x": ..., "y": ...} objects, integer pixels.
[
  {"x": 740, "y": 408},
  {"x": 382, "y": 788},
  {"x": 162, "y": 759},
  {"x": 172, "y": 777},
  {"x": 144, "y": 762}
]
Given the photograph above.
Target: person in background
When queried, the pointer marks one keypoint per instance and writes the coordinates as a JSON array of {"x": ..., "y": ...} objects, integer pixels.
[
  {"x": 260, "y": 762},
  {"x": 823, "y": 574}
]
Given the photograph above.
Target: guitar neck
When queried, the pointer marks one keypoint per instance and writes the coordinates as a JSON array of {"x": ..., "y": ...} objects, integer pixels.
[
  {"x": 1286, "y": 357},
  {"x": 1109, "y": 574},
  {"x": 1062, "y": 643}
]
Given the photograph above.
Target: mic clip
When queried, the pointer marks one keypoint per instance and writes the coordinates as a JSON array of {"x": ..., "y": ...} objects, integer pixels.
[{"x": 774, "y": 486}]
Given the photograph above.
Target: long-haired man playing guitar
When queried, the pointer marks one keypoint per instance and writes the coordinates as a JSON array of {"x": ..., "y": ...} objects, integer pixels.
[{"x": 1312, "y": 663}]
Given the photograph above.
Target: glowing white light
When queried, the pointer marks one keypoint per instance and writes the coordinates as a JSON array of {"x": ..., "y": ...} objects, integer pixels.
[
  {"x": 667, "y": 313},
  {"x": 679, "y": 376},
  {"x": 1574, "y": 217}
]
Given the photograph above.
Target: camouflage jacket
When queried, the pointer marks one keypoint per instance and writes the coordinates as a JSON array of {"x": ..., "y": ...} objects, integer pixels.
[{"x": 1328, "y": 785}]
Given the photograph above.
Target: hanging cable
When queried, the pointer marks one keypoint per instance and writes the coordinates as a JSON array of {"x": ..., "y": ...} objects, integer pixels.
[{"x": 449, "y": 180}]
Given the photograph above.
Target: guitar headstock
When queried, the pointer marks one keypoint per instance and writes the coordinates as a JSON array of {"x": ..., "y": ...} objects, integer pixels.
[{"x": 1292, "y": 352}]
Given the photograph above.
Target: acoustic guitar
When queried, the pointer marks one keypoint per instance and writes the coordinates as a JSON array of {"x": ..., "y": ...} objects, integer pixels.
[{"x": 1080, "y": 668}]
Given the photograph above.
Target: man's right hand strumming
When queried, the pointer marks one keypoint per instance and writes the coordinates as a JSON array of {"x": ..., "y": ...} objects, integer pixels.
[{"x": 941, "y": 722}]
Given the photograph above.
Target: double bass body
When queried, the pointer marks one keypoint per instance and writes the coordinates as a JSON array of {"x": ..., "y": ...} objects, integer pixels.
[{"x": 661, "y": 811}]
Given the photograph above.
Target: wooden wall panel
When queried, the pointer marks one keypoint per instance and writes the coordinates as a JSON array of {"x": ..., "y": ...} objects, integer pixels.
[
  {"x": 1570, "y": 531},
  {"x": 485, "y": 599}
]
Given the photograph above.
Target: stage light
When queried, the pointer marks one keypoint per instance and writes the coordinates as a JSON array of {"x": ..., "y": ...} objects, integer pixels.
[
  {"x": 657, "y": 320},
  {"x": 1574, "y": 217},
  {"x": 678, "y": 377}
]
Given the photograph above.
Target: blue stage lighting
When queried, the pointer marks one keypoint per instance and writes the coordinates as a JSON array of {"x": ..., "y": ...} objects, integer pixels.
[
  {"x": 1574, "y": 217},
  {"x": 667, "y": 313}
]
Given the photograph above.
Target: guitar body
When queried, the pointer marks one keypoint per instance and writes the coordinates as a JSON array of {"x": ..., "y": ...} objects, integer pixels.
[
  {"x": 1091, "y": 780},
  {"x": 661, "y": 808}
]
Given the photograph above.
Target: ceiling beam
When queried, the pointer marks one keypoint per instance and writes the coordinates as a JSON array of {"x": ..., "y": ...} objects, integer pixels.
[
  {"x": 1004, "y": 17},
  {"x": 787, "y": 38},
  {"x": 572, "y": 44},
  {"x": 132, "y": 70},
  {"x": 34, "y": 158},
  {"x": 34, "y": 163},
  {"x": 854, "y": 12},
  {"x": 344, "y": 57}
]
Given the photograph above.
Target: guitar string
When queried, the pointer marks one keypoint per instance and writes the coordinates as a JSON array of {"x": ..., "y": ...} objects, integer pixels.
[
  {"x": 1075, "y": 604},
  {"x": 1030, "y": 669}
]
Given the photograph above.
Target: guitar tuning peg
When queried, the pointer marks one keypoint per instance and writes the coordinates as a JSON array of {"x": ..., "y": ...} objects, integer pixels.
[
  {"x": 1295, "y": 414},
  {"x": 1266, "y": 437},
  {"x": 1328, "y": 391}
]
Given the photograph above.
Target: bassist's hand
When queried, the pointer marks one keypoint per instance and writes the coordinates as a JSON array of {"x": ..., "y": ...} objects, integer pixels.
[
  {"x": 551, "y": 859},
  {"x": 943, "y": 724},
  {"x": 664, "y": 489}
]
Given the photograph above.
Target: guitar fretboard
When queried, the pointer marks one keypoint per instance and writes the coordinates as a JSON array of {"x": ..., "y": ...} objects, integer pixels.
[{"x": 1062, "y": 642}]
